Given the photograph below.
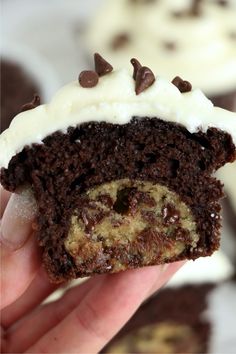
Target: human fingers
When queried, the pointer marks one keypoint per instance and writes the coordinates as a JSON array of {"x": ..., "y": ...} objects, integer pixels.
[
  {"x": 16, "y": 223},
  {"x": 18, "y": 269},
  {"x": 168, "y": 271},
  {"x": 47, "y": 316},
  {"x": 38, "y": 290},
  {"x": 101, "y": 313}
]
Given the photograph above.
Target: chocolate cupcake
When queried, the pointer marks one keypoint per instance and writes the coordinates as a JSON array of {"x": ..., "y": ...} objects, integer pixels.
[
  {"x": 196, "y": 39},
  {"x": 170, "y": 322},
  {"x": 17, "y": 87},
  {"x": 197, "y": 318},
  {"x": 121, "y": 168}
]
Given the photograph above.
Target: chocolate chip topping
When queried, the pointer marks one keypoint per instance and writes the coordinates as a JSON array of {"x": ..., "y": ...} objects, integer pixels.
[
  {"x": 143, "y": 1},
  {"x": 223, "y": 3},
  {"x": 88, "y": 78},
  {"x": 120, "y": 41},
  {"x": 102, "y": 67},
  {"x": 33, "y": 104},
  {"x": 136, "y": 64},
  {"x": 170, "y": 45},
  {"x": 232, "y": 35},
  {"x": 144, "y": 79},
  {"x": 170, "y": 214},
  {"x": 195, "y": 9},
  {"x": 182, "y": 85}
]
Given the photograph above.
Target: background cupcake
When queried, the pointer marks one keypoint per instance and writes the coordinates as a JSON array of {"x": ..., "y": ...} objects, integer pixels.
[
  {"x": 24, "y": 73},
  {"x": 194, "y": 39}
]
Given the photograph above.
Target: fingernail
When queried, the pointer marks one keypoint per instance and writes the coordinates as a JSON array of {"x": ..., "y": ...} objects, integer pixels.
[{"x": 16, "y": 224}]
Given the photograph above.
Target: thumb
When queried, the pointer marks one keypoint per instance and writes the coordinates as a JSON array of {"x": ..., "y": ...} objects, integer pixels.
[
  {"x": 16, "y": 225},
  {"x": 19, "y": 252}
]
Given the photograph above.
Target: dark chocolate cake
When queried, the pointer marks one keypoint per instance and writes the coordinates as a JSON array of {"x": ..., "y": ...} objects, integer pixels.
[
  {"x": 17, "y": 87},
  {"x": 170, "y": 322},
  {"x": 117, "y": 193}
]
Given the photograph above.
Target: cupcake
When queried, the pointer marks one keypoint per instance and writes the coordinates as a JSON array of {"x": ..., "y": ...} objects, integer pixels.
[
  {"x": 121, "y": 167},
  {"x": 196, "y": 39},
  {"x": 188, "y": 319},
  {"x": 24, "y": 74},
  {"x": 17, "y": 87}
]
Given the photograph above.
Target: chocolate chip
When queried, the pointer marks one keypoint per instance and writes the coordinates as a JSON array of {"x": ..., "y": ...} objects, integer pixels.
[
  {"x": 149, "y": 216},
  {"x": 136, "y": 64},
  {"x": 144, "y": 79},
  {"x": 182, "y": 85},
  {"x": 33, "y": 104},
  {"x": 88, "y": 78},
  {"x": 106, "y": 200},
  {"x": 120, "y": 41},
  {"x": 232, "y": 35},
  {"x": 102, "y": 67},
  {"x": 196, "y": 8},
  {"x": 170, "y": 214},
  {"x": 143, "y": 1},
  {"x": 170, "y": 45},
  {"x": 223, "y": 3},
  {"x": 178, "y": 14}
]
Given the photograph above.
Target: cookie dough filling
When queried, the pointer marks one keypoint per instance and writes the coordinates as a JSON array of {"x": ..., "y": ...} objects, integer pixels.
[
  {"x": 147, "y": 219},
  {"x": 165, "y": 338}
]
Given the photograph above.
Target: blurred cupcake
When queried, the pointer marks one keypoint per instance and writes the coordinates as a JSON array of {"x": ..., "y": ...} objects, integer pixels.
[
  {"x": 228, "y": 177},
  {"x": 191, "y": 38},
  {"x": 23, "y": 74}
]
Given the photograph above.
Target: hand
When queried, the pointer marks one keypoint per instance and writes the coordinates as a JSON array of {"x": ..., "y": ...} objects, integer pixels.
[{"x": 85, "y": 318}]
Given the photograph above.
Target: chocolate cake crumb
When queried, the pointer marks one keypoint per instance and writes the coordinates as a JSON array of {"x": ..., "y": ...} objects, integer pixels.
[
  {"x": 170, "y": 214},
  {"x": 120, "y": 41},
  {"x": 102, "y": 67},
  {"x": 33, "y": 104},
  {"x": 88, "y": 78},
  {"x": 144, "y": 79},
  {"x": 136, "y": 64},
  {"x": 182, "y": 85}
]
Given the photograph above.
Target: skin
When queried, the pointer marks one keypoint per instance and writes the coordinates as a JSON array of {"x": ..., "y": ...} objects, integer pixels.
[{"x": 84, "y": 319}]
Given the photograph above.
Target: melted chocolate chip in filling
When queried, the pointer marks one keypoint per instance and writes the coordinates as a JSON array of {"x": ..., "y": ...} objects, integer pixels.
[{"x": 170, "y": 214}]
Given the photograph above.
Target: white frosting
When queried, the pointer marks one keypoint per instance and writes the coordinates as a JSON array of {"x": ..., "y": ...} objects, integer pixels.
[
  {"x": 113, "y": 100},
  {"x": 205, "y": 53},
  {"x": 228, "y": 176}
]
